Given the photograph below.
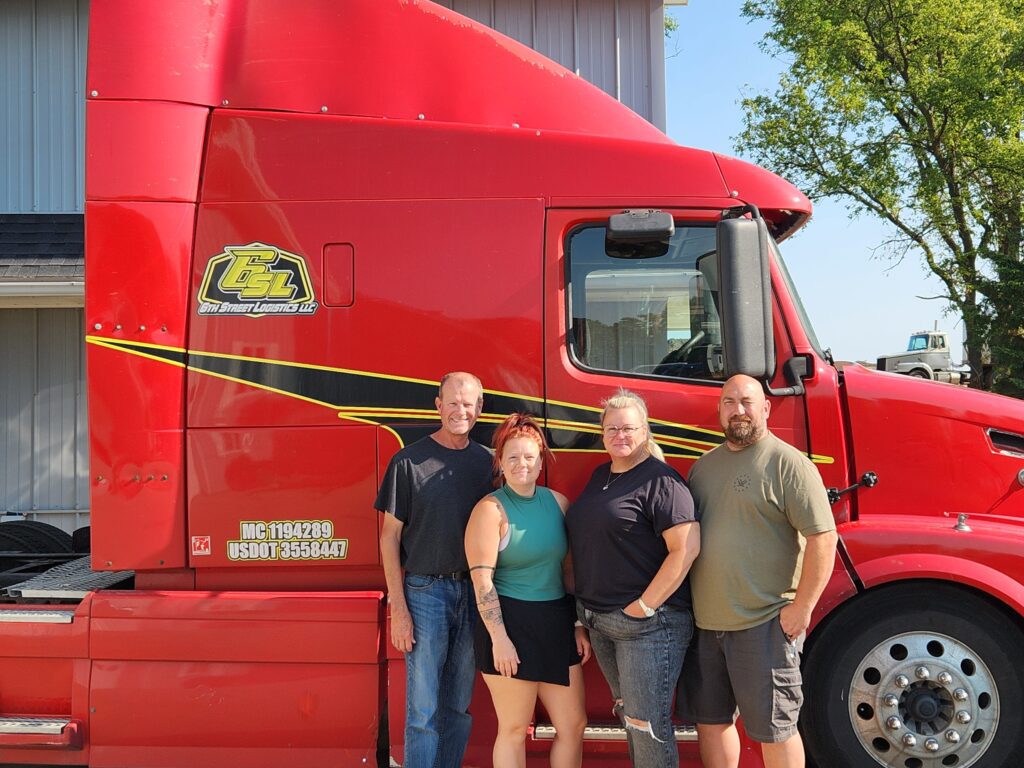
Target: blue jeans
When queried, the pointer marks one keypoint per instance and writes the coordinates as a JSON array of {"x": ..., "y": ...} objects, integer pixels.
[
  {"x": 641, "y": 660},
  {"x": 439, "y": 672}
]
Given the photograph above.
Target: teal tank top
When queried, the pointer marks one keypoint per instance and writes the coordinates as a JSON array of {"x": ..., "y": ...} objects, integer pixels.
[{"x": 530, "y": 566}]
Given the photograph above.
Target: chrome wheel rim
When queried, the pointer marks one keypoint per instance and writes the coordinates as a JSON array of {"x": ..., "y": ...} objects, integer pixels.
[{"x": 924, "y": 700}]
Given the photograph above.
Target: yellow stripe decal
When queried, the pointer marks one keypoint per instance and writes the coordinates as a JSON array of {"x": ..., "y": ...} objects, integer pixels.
[
  {"x": 370, "y": 415},
  {"x": 116, "y": 348}
]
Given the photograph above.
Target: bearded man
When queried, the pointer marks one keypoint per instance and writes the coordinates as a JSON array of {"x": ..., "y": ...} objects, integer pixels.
[{"x": 768, "y": 543}]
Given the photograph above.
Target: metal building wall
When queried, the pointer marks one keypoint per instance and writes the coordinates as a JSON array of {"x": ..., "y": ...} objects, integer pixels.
[
  {"x": 43, "y": 433},
  {"x": 43, "y": 444},
  {"x": 42, "y": 106},
  {"x": 618, "y": 45}
]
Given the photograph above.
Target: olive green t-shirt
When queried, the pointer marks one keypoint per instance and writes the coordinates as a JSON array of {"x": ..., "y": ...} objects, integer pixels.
[{"x": 756, "y": 507}]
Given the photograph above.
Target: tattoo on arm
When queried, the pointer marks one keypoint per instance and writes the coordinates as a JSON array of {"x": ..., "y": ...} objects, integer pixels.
[
  {"x": 488, "y": 567},
  {"x": 489, "y": 608}
]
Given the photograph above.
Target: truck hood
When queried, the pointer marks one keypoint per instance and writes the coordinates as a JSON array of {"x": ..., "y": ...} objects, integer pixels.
[{"x": 937, "y": 449}]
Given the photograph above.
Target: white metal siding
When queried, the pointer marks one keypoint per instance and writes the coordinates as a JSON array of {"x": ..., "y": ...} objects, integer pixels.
[
  {"x": 556, "y": 31},
  {"x": 515, "y": 19},
  {"x": 618, "y": 45},
  {"x": 478, "y": 10},
  {"x": 634, "y": 75},
  {"x": 42, "y": 76},
  {"x": 17, "y": 385},
  {"x": 16, "y": 35},
  {"x": 44, "y": 443},
  {"x": 597, "y": 46}
]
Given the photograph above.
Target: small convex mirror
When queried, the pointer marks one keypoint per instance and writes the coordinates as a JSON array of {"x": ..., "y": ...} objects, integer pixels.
[{"x": 638, "y": 234}]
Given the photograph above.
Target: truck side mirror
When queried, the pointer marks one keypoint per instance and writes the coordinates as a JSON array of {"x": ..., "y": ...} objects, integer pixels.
[
  {"x": 745, "y": 294},
  {"x": 638, "y": 234}
]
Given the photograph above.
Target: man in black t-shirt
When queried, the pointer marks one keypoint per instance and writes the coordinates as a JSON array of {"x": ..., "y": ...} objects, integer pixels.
[{"x": 427, "y": 494}]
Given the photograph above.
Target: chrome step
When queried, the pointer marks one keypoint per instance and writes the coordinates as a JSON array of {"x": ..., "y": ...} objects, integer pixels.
[
  {"x": 47, "y": 725},
  {"x": 37, "y": 617},
  {"x": 546, "y": 732}
]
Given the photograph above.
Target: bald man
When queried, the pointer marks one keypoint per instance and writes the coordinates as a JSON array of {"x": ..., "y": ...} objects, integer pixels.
[{"x": 768, "y": 543}]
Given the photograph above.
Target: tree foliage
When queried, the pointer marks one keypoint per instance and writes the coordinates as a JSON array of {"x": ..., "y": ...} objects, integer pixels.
[{"x": 912, "y": 111}]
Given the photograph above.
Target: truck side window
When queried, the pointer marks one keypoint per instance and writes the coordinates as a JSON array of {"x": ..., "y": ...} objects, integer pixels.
[{"x": 648, "y": 317}]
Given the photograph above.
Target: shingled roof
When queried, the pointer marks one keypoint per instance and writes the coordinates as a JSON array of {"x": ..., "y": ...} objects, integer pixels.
[{"x": 41, "y": 247}]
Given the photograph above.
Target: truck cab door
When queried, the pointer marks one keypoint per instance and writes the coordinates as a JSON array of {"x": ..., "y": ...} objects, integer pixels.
[{"x": 650, "y": 325}]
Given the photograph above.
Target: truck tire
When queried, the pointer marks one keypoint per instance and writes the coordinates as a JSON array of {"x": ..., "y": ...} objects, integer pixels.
[
  {"x": 917, "y": 373},
  {"x": 81, "y": 540},
  {"x": 14, "y": 540},
  {"x": 916, "y": 675},
  {"x": 43, "y": 537}
]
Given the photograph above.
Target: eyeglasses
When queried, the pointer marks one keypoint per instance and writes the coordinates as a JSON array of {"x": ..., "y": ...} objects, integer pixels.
[{"x": 627, "y": 431}]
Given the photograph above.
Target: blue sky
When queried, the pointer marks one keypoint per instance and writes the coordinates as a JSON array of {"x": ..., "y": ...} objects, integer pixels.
[{"x": 862, "y": 305}]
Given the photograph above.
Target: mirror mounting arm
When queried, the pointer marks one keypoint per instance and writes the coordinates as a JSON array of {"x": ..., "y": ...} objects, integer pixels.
[{"x": 796, "y": 369}]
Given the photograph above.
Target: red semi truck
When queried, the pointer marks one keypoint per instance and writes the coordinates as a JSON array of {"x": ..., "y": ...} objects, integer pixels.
[{"x": 299, "y": 216}]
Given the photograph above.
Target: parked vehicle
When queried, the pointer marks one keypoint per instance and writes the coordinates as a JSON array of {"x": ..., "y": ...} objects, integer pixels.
[
  {"x": 927, "y": 357},
  {"x": 297, "y": 221}
]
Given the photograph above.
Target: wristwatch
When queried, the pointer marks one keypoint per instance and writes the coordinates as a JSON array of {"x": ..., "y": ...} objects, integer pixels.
[{"x": 648, "y": 611}]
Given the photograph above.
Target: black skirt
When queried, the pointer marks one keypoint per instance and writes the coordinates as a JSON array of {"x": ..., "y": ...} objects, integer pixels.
[{"x": 542, "y": 632}]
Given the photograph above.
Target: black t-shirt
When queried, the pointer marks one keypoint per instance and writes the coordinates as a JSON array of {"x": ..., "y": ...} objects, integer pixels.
[
  {"x": 431, "y": 489},
  {"x": 615, "y": 533}
]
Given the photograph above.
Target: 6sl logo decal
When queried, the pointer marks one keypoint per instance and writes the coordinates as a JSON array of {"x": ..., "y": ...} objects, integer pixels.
[{"x": 256, "y": 280}]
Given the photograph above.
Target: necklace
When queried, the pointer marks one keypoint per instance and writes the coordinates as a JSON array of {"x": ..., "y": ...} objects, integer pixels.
[{"x": 612, "y": 479}]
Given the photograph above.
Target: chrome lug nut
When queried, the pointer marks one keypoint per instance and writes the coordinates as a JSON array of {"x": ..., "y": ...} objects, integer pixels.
[
  {"x": 931, "y": 745},
  {"x": 963, "y": 716},
  {"x": 922, "y": 673},
  {"x": 902, "y": 681},
  {"x": 890, "y": 700},
  {"x": 960, "y": 694},
  {"x": 945, "y": 678},
  {"x": 894, "y": 723},
  {"x": 952, "y": 736},
  {"x": 909, "y": 740}
]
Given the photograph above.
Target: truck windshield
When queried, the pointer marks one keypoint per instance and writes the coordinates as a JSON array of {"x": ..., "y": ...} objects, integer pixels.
[{"x": 805, "y": 321}]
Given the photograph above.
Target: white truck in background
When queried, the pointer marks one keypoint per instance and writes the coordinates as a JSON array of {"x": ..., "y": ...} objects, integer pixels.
[{"x": 927, "y": 357}]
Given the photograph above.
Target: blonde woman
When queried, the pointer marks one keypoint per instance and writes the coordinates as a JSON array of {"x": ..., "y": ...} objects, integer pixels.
[{"x": 634, "y": 534}]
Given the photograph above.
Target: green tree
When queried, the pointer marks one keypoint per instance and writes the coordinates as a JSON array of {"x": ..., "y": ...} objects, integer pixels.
[{"x": 912, "y": 111}]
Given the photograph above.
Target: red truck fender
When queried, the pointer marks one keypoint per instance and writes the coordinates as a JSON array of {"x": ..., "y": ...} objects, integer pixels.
[
  {"x": 929, "y": 654},
  {"x": 980, "y": 576}
]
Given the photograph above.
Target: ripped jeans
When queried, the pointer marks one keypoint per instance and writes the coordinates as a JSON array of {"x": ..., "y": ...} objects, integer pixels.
[{"x": 641, "y": 660}]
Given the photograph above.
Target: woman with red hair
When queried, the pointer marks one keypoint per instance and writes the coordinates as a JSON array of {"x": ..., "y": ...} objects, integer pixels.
[{"x": 526, "y": 644}]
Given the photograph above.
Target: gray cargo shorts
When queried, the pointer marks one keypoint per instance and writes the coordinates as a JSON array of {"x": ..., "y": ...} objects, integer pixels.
[{"x": 756, "y": 669}]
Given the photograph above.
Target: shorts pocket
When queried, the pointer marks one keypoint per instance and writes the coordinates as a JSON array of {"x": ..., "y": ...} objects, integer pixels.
[{"x": 787, "y": 697}]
